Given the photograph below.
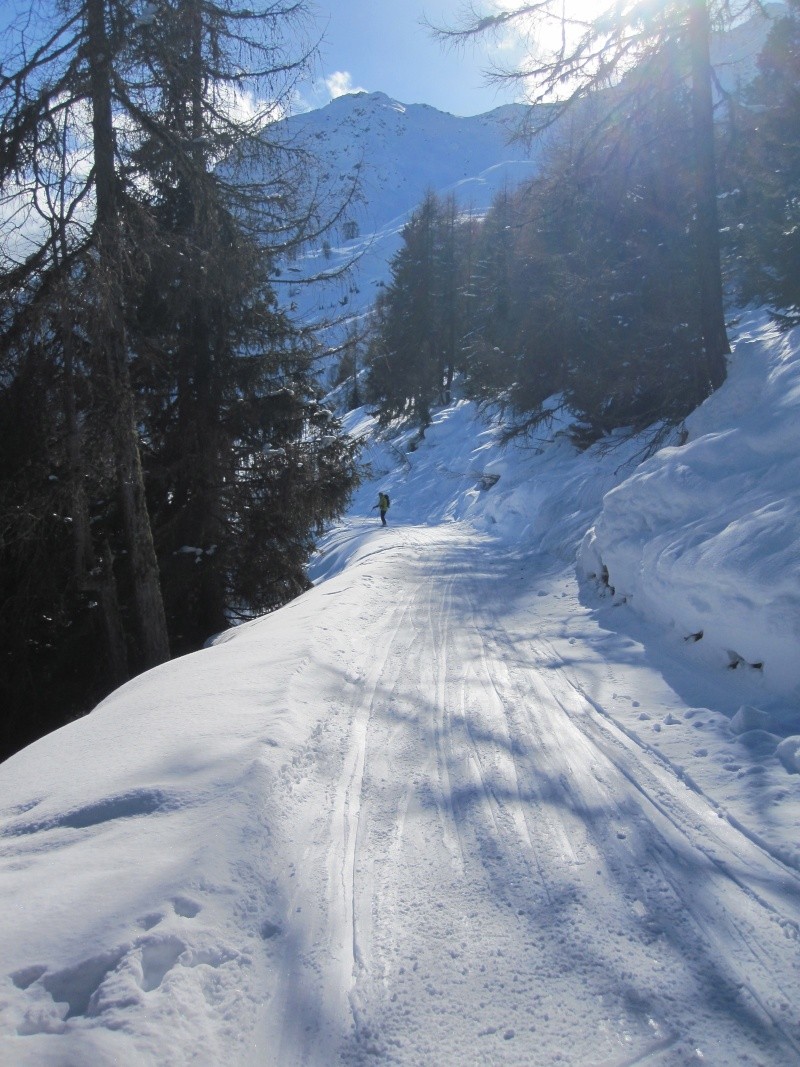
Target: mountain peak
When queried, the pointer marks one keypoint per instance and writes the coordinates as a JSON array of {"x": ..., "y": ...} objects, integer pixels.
[{"x": 376, "y": 99}]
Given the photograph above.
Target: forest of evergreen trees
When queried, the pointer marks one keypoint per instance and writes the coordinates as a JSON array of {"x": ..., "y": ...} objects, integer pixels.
[
  {"x": 586, "y": 284},
  {"x": 165, "y": 458}
]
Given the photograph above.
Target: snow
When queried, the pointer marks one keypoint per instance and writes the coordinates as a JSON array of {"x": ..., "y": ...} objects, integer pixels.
[
  {"x": 400, "y": 152},
  {"x": 460, "y": 803},
  {"x": 703, "y": 537}
]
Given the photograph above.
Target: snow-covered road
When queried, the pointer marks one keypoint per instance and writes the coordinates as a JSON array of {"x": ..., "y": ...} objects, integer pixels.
[
  {"x": 430, "y": 813},
  {"x": 486, "y": 869},
  {"x": 453, "y": 805}
]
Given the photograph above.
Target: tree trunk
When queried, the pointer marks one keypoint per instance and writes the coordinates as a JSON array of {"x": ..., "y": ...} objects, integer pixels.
[
  {"x": 709, "y": 267},
  {"x": 91, "y": 575},
  {"x": 149, "y": 606}
]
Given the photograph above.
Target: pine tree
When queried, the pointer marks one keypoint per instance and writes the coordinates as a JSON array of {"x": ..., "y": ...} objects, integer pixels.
[
  {"x": 584, "y": 284},
  {"x": 763, "y": 212},
  {"x": 414, "y": 354},
  {"x": 138, "y": 294},
  {"x": 601, "y": 52},
  {"x": 491, "y": 334}
]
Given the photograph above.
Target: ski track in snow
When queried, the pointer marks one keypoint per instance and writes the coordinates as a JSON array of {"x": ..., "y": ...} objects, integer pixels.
[{"x": 489, "y": 871}]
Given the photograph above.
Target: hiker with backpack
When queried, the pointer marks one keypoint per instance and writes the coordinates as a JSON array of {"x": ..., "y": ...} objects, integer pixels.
[{"x": 382, "y": 506}]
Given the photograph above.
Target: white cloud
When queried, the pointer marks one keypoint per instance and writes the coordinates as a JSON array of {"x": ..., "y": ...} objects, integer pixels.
[
  {"x": 340, "y": 83},
  {"x": 243, "y": 106},
  {"x": 321, "y": 91}
]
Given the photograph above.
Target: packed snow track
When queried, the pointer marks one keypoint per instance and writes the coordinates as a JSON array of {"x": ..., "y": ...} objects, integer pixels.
[{"x": 486, "y": 869}]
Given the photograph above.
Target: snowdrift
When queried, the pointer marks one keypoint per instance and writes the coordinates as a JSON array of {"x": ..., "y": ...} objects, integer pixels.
[{"x": 703, "y": 538}]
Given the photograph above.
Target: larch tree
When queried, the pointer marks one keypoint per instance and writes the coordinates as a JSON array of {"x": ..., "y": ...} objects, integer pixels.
[
  {"x": 762, "y": 213},
  {"x": 57, "y": 91},
  {"x": 169, "y": 401},
  {"x": 567, "y": 58},
  {"x": 227, "y": 377},
  {"x": 414, "y": 353}
]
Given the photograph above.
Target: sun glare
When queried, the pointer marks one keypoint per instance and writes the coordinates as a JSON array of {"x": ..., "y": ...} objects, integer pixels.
[
  {"x": 576, "y": 9},
  {"x": 545, "y": 20},
  {"x": 582, "y": 9}
]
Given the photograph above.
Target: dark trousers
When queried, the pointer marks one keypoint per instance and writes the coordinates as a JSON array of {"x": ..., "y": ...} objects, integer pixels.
[{"x": 383, "y": 517}]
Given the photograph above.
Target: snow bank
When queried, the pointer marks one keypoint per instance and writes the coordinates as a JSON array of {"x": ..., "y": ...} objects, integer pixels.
[
  {"x": 534, "y": 492},
  {"x": 703, "y": 537},
  {"x": 788, "y": 752}
]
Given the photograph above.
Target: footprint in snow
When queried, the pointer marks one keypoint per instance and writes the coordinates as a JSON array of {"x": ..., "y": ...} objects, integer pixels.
[
  {"x": 186, "y": 907},
  {"x": 147, "y": 922}
]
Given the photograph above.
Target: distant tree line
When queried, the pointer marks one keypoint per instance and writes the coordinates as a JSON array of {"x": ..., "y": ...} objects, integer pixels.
[
  {"x": 588, "y": 283},
  {"x": 165, "y": 459}
]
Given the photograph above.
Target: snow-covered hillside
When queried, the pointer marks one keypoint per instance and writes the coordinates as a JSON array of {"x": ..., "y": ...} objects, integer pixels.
[
  {"x": 406, "y": 149},
  {"x": 399, "y": 152},
  {"x": 402, "y": 151},
  {"x": 458, "y": 804},
  {"x": 703, "y": 537}
]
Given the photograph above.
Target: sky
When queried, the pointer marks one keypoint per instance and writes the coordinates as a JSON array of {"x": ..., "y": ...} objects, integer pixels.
[
  {"x": 384, "y": 46},
  {"x": 381, "y": 46}
]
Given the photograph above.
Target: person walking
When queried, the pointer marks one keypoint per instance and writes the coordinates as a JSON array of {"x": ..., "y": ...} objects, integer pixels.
[{"x": 382, "y": 506}]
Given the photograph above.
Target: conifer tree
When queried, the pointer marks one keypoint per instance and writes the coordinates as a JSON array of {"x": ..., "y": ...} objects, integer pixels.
[
  {"x": 763, "y": 210},
  {"x": 584, "y": 279},
  {"x": 416, "y": 334},
  {"x": 599, "y": 52},
  {"x": 403, "y": 371},
  {"x": 229, "y": 378},
  {"x": 491, "y": 335},
  {"x": 146, "y": 200}
]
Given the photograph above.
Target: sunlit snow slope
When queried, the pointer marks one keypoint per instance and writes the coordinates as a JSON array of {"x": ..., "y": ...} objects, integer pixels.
[
  {"x": 452, "y": 806},
  {"x": 399, "y": 152}
]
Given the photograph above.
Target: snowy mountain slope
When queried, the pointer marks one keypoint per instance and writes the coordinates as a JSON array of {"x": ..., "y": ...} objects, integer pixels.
[
  {"x": 451, "y": 806},
  {"x": 400, "y": 152},
  {"x": 405, "y": 149}
]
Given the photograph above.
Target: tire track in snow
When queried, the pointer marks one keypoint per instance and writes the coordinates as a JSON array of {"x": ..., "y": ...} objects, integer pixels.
[
  {"x": 493, "y": 906},
  {"x": 501, "y": 891},
  {"x": 723, "y": 912},
  {"x": 439, "y": 623},
  {"x": 315, "y": 1007},
  {"x": 725, "y": 918},
  {"x": 345, "y": 819},
  {"x": 490, "y": 819}
]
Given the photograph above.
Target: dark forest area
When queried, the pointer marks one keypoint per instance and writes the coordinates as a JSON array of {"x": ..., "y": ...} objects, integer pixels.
[{"x": 166, "y": 460}]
